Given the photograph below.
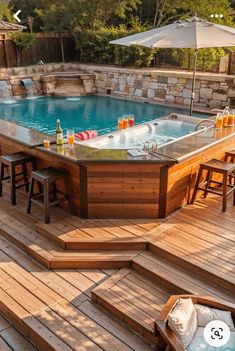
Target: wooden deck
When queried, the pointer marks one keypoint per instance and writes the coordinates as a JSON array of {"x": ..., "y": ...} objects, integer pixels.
[{"x": 49, "y": 274}]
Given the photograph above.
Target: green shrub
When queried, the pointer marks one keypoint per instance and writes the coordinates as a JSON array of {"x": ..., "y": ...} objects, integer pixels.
[{"x": 93, "y": 46}]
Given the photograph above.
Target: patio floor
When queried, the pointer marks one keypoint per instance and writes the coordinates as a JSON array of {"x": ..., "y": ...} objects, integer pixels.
[{"x": 49, "y": 274}]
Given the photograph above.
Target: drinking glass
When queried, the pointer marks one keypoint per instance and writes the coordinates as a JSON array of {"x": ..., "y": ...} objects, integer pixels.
[
  {"x": 219, "y": 121},
  {"x": 70, "y": 138},
  {"x": 46, "y": 143},
  {"x": 131, "y": 120},
  {"x": 120, "y": 123},
  {"x": 125, "y": 121}
]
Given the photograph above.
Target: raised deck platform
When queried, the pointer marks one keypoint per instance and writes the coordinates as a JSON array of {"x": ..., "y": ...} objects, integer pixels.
[{"x": 190, "y": 252}]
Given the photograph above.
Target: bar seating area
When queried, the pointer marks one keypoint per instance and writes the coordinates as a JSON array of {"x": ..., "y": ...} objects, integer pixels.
[
  {"x": 11, "y": 162},
  {"x": 222, "y": 188},
  {"x": 46, "y": 178}
]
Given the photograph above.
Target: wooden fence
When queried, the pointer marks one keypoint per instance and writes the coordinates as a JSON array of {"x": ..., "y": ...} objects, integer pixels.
[
  {"x": 231, "y": 63},
  {"x": 46, "y": 47}
]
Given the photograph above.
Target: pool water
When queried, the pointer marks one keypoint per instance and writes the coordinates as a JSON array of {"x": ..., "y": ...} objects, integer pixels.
[{"x": 86, "y": 112}]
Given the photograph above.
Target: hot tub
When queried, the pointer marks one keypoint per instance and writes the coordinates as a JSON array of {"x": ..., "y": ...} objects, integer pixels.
[{"x": 160, "y": 131}]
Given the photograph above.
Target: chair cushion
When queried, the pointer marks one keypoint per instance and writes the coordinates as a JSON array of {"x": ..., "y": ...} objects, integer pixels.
[
  {"x": 206, "y": 314},
  {"x": 183, "y": 320},
  {"x": 199, "y": 344}
]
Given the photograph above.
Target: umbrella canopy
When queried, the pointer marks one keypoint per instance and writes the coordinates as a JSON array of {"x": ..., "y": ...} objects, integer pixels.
[{"x": 192, "y": 33}]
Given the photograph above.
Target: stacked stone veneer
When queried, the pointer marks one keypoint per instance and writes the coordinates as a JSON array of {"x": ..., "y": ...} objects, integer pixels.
[
  {"x": 154, "y": 85},
  {"x": 166, "y": 86}
]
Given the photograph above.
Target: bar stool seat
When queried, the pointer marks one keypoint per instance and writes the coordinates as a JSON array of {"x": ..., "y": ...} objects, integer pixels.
[
  {"x": 48, "y": 191},
  {"x": 12, "y": 161},
  {"x": 223, "y": 188},
  {"x": 230, "y": 155}
]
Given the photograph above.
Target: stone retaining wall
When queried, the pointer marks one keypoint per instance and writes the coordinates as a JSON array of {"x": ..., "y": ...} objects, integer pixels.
[{"x": 211, "y": 90}]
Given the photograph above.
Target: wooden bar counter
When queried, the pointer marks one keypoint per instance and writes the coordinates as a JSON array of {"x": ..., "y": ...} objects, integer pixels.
[{"x": 112, "y": 184}]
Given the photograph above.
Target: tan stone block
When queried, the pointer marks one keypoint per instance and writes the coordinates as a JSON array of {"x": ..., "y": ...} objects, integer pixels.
[
  {"x": 160, "y": 94},
  {"x": 179, "y": 100}
]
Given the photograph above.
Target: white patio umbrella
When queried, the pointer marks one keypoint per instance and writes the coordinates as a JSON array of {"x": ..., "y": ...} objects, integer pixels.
[{"x": 193, "y": 33}]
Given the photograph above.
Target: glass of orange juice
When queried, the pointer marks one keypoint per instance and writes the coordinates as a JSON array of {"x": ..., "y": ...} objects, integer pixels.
[
  {"x": 125, "y": 121},
  {"x": 70, "y": 138},
  {"x": 120, "y": 123},
  {"x": 230, "y": 122},
  {"x": 219, "y": 121}
]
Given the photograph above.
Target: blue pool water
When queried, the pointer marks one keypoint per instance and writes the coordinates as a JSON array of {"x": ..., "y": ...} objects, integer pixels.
[{"x": 87, "y": 112}]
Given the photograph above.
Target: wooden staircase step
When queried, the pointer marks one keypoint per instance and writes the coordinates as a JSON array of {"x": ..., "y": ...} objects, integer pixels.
[
  {"x": 46, "y": 319},
  {"x": 74, "y": 233},
  {"x": 175, "y": 252},
  {"x": 52, "y": 256},
  {"x": 70, "y": 241},
  {"x": 163, "y": 271},
  {"x": 134, "y": 299}
]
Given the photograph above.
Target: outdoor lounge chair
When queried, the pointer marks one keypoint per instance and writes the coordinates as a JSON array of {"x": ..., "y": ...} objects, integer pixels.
[{"x": 168, "y": 338}]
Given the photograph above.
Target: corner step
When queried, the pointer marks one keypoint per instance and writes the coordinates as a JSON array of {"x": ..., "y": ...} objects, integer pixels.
[
  {"x": 133, "y": 299},
  {"x": 53, "y": 257}
]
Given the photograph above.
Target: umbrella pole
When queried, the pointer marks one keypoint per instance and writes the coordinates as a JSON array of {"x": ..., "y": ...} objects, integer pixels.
[{"x": 193, "y": 83}]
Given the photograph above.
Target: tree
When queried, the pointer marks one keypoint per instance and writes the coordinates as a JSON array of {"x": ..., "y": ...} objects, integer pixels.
[
  {"x": 167, "y": 11},
  {"x": 27, "y": 8},
  {"x": 5, "y": 12},
  {"x": 22, "y": 42}
]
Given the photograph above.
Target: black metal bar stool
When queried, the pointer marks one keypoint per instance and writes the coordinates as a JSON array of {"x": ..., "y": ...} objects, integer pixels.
[
  {"x": 223, "y": 188},
  {"x": 48, "y": 195},
  {"x": 11, "y": 162}
]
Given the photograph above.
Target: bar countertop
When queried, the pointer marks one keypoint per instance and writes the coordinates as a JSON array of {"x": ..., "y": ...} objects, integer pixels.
[
  {"x": 23, "y": 135},
  {"x": 169, "y": 154}
]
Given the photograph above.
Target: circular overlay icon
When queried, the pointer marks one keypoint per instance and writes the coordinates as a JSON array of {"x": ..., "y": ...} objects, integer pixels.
[{"x": 217, "y": 333}]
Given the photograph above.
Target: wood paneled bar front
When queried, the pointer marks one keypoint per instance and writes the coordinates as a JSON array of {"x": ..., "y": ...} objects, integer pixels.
[{"x": 112, "y": 184}]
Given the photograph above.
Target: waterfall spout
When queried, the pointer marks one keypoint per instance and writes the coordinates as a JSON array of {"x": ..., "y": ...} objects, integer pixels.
[{"x": 28, "y": 84}]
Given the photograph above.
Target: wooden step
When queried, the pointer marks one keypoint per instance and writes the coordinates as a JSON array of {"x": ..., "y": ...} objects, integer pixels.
[
  {"x": 52, "y": 256},
  {"x": 197, "y": 264},
  {"x": 11, "y": 339},
  {"x": 75, "y": 239},
  {"x": 46, "y": 319},
  {"x": 162, "y": 271},
  {"x": 134, "y": 299}
]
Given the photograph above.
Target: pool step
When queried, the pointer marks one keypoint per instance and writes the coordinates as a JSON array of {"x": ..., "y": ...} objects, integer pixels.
[{"x": 54, "y": 257}]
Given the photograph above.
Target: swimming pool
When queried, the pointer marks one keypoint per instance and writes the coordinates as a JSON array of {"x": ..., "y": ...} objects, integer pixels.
[{"x": 86, "y": 112}]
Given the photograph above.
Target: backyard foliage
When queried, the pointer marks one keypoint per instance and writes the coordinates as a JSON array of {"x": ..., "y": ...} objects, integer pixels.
[
  {"x": 22, "y": 41},
  {"x": 94, "y": 23}
]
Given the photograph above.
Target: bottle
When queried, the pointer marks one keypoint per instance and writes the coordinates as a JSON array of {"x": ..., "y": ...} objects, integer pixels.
[
  {"x": 225, "y": 116},
  {"x": 59, "y": 133}
]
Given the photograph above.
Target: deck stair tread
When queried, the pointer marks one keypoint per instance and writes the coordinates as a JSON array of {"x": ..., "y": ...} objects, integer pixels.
[
  {"x": 132, "y": 298},
  {"x": 11, "y": 339},
  {"x": 200, "y": 244},
  {"x": 51, "y": 322},
  {"x": 74, "y": 233},
  {"x": 53, "y": 256},
  {"x": 161, "y": 269}
]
